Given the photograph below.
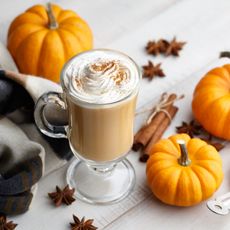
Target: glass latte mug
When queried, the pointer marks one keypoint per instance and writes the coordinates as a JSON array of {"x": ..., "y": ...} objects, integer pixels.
[{"x": 100, "y": 89}]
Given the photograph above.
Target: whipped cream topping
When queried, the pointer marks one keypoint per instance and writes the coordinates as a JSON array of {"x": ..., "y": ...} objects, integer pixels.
[{"x": 102, "y": 76}]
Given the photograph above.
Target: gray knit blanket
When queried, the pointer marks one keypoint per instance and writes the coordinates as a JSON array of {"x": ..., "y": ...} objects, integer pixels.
[{"x": 25, "y": 154}]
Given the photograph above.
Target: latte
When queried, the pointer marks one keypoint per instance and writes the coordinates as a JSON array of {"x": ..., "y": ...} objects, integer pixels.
[{"x": 101, "y": 97}]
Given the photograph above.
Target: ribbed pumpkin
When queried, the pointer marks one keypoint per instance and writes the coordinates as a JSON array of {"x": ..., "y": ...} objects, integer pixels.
[
  {"x": 42, "y": 39},
  {"x": 182, "y": 171},
  {"x": 211, "y": 102}
]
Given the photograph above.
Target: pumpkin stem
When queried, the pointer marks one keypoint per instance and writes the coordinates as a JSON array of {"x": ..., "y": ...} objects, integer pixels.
[
  {"x": 183, "y": 160},
  {"x": 52, "y": 20}
]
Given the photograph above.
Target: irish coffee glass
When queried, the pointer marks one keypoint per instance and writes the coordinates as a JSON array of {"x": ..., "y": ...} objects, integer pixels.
[{"x": 100, "y": 135}]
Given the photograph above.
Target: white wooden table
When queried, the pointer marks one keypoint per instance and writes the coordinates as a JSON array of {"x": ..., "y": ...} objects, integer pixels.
[{"x": 127, "y": 25}]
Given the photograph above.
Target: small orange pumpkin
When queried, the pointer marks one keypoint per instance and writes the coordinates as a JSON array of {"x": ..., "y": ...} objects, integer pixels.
[
  {"x": 41, "y": 40},
  {"x": 211, "y": 102},
  {"x": 182, "y": 171}
]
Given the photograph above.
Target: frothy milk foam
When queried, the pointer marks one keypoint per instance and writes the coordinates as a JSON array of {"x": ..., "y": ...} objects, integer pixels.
[
  {"x": 102, "y": 88},
  {"x": 102, "y": 77}
]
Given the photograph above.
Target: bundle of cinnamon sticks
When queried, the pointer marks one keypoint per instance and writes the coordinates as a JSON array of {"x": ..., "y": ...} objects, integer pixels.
[{"x": 156, "y": 125}]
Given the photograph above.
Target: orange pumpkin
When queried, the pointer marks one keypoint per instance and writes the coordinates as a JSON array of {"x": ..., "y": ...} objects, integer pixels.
[
  {"x": 211, "y": 102},
  {"x": 182, "y": 171},
  {"x": 41, "y": 40}
]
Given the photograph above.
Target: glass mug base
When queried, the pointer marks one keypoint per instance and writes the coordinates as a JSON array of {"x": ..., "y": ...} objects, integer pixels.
[{"x": 101, "y": 186}]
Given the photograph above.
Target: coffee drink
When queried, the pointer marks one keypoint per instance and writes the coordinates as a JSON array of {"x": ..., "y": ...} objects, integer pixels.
[
  {"x": 99, "y": 96},
  {"x": 101, "y": 90}
]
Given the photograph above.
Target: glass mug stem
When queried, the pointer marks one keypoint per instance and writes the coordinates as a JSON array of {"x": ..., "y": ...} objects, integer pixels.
[{"x": 102, "y": 170}]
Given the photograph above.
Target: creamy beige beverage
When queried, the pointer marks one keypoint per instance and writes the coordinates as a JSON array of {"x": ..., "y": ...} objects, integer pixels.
[
  {"x": 102, "y": 134},
  {"x": 99, "y": 93},
  {"x": 101, "y": 99}
]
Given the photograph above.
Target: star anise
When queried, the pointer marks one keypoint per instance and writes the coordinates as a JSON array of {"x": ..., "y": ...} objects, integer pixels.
[
  {"x": 217, "y": 145},
  {"x": 62, "y": 196},
  {"x": 82, "y": 224},
  {"x": 174, "y": 47},
  {"x": 163, "y": 45},
  {"x": 151, "y": 70},
  {"x": 191, "y": 128},
  {"x": 158, "y": 47},
  {"x": 144, "y": 158},
  {"x": 4, "y": 225},
  {"x": 152, "y": 48}
]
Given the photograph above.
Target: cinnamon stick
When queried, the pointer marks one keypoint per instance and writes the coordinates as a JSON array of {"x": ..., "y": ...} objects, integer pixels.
[
  {"x": 136, "y": 143},
  {"x": 143, "y": 136},
  {"x": 161, "y": 129}
]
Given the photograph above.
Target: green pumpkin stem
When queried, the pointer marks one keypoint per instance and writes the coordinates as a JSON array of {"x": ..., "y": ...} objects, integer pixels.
[
  {"x": 52, "y": 20},
  {"x": 183, "y": 160}
]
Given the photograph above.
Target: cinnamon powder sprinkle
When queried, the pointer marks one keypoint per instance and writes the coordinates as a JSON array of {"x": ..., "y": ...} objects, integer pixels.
[
  {"x": 120, "y": 77},
  {"x": 78, "y": 82},
  {"x": 102, "y": 66}
]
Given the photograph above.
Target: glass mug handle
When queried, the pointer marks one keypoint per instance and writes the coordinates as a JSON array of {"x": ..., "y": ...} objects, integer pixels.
[{"x": 51, "y": 115}]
